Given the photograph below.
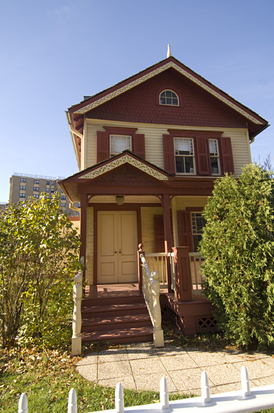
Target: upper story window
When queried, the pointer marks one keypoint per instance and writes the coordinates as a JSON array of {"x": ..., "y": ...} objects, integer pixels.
[
  {"x": 197, "y": 153},
  {"x": 36, "y": 189},
  {"x": 184, "y": 155},
  {"x": 168, "y": 97},
  {"x": 22, "y": 187},
  {"x": 36, "y": 181},
  {"x": 22, "y": 179},
  {"x": 119, "y": 143},
  {"x": 214, "y": 156}
]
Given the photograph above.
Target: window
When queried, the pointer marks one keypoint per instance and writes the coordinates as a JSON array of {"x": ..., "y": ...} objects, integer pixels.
[
  {"x": 214, "y": 156},
  {"x": 22, "y": 187},
  {"x": 47, "y": 183},
  {"x": 168, "y": 97},
  {"x": 22, "y": 195},
  {"x": 36, "y": 181},
  {"x": 197, "y": 223},
  {"x": 35, "y": 189},
  {"x": 47, "y": 189},
  {"x": 35, "y": 195},
  {"x": 22, "y": 179},
  {"x": 119, "y": 143},
  {"x": 184, "y": 155},
  {"x": 52, "y": 190},
  {"x": 63, "y": 197},
  {"x": 52, "y": 182},
  {"x": 197, "y": 153}
]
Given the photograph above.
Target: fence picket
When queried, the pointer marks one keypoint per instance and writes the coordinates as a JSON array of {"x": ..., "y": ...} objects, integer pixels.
[
  {"x": 164, "y": 397},
  {"x": 23, "y": 404},
  {"x": 72, "y": 401},
  {"x": 119, "y": 398}
]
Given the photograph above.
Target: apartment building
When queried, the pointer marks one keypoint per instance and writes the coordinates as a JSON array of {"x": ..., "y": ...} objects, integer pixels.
[{"x": 23, "y": 186}]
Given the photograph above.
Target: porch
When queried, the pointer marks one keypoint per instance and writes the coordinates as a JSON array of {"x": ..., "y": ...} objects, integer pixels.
[{"x": 118, "y": 312}]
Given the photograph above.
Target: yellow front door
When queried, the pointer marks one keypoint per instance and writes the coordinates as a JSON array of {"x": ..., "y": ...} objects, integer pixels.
[{"x": 117, "y": 246}]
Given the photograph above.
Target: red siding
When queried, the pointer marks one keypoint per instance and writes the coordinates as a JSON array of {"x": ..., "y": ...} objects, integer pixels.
[{"x": 197, "y": 107}]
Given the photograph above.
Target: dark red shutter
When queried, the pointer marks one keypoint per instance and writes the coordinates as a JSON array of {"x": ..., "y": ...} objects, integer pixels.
[
  {"x": 226, "y": 155},
  {"x": 159, "y": 236},
  {"x": 139, "y": 145},
  {"x": 185, "y": 229},
  {"x": 102, "y": 146},
  {"x": 202, "y": 156},
  {"x": 169, "y": 156}
]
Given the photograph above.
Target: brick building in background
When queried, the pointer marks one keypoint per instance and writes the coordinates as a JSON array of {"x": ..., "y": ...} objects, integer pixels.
[{"x": 23, "y": 186}]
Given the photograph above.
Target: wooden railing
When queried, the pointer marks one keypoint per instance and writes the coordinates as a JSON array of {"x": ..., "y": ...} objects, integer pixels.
[
  {"x": 195, "y": 262},
  {"x": 151, "y": 293},
  {"x": 157, "y": 262}
]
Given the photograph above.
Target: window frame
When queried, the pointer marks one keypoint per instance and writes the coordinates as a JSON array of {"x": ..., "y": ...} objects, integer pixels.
[
  {"x": 192, "y": 156},
  {"x": 197, "y": 234},
  {"x": 169, "y": 97},
  {"x": 112, "y": 139}
]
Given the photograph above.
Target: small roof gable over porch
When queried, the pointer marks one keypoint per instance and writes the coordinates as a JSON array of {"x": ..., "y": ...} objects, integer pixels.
[{"x": 125, "y": 173}]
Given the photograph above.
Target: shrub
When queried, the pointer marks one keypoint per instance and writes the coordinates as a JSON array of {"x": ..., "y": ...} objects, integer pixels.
[{"x": 238, "y": 244}]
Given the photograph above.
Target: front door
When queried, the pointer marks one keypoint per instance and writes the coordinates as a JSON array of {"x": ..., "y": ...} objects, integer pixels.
[{"x": 117, "y": 246}]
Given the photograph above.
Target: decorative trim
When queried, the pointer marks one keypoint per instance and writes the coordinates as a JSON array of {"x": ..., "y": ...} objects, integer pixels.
[
  {"x": 121, "y": 161},
  {"x": 155, "y": 72}
]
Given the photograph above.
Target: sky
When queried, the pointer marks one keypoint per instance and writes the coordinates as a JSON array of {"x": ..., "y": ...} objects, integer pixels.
[{"x": 54, "y": 52}]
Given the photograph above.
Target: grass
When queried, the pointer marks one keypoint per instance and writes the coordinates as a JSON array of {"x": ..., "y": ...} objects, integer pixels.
[{"x": 46, "y": 376}]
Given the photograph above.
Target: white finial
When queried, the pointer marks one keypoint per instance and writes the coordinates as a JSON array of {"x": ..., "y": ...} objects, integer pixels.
[{"x": 168, "y": 51}]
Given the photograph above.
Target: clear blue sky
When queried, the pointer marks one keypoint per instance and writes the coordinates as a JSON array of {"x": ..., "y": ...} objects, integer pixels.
[{"x": 56, "y": 51}]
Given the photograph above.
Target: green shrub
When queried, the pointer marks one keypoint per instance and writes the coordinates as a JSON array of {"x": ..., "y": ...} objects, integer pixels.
[
  {"x": 39, "y": 254},
  {"x": 238, "y": 244}
]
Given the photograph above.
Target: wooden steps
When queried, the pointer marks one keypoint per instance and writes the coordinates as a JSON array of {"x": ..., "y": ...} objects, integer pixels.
[{"x": 121, "y": 319}]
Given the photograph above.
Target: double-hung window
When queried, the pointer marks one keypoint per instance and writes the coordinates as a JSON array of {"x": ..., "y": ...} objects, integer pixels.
[
  {"x": 198, "y": 222},
  {"x": 119, "y": 143},
  {"x": 184, "y": 155},
  {"x": 214, "y": 156}
]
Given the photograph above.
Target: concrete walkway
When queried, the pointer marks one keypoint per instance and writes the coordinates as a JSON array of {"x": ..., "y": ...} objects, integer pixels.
[{"x": 141, "y": 367}]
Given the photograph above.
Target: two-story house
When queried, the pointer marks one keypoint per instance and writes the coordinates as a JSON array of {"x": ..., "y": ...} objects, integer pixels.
[{"x": 148, "y": 150}]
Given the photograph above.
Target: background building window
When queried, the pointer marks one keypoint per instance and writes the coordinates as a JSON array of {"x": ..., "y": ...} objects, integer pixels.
[
  {"x": 22, "y": 187},
  {"x": 168, "y": 97},
  {"x": 36, "y": 181},
  {"x": 36, "y": 195},
  {"x": 22, "y": 195},
  {"x": 119, "y": 143},
  {"x": 22, "y": 179},
  {"x": 36, "y": 189},
  {"x": 184, "y": 155}
]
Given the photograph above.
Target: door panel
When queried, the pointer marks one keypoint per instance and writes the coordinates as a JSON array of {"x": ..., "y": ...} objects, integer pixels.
[{"x": 117, "y": 245}]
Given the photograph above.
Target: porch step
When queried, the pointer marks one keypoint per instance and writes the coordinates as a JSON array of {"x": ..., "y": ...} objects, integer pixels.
[
  {"x": 120, "y": 336},
  {"x": 116, "y": 319}
]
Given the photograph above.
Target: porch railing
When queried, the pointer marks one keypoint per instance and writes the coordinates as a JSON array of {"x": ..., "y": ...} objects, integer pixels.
[
  {"x": 195, "y": 262},
  {"x": 151, "y": 293}
]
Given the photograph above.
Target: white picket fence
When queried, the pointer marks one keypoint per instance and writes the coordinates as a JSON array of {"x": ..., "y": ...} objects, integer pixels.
[{"x": 244, "y": 401}]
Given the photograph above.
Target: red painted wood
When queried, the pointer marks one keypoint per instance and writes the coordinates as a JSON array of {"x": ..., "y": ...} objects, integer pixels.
[
  {"x": 184, "y": 229},
  {"x": 169, "y": 156},
  {"x": 102, "y": 146},
  {"x": 227, "y": 163}
]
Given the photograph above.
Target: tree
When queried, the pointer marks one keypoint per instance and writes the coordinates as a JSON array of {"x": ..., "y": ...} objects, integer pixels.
[
  {"x": 238, "y": 244},
  {"x": 39, "y": 253}
]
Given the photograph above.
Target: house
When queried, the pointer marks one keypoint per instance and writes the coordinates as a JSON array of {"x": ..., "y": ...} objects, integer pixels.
[{"x": 148, "y": 151}]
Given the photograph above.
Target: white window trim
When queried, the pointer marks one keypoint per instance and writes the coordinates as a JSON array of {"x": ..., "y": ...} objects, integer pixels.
[
  {"x": 188, "y": 156},
  {"x": 169, "y": 104},
  {"x": 119, "y": 136}
]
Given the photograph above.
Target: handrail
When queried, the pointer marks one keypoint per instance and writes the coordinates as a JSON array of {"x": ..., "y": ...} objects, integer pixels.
[
  {"x": 151, "y": 293},
  {"x": 76, "y": 341},
  {"x": 195, "y": 262},
  {"x": 156, "y": 261}
]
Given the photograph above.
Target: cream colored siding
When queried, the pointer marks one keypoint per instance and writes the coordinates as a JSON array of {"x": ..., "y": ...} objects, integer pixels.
[
  {"x": 89, "y": 246},
  {"x": 147, "y": 220},
  {"x": 154, "y": 141},
  {"x": 240, "y": 148}
]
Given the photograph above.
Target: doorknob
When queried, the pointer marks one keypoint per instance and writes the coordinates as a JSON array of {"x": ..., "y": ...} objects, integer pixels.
[
  {"x": 115, "y": 252},
  {"x": 120, "y": 251}
]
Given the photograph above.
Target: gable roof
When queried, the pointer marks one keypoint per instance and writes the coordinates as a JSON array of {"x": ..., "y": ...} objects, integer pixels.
[
  {"x": 69, "y": 185},
  {"x": 170, "y": 62}
]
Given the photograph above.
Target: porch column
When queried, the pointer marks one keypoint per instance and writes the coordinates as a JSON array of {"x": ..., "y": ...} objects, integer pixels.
[
  {"x": 168, "y": 235},
  {"x": 182, "y": 274},
  {"x": 83, "y": 227}
]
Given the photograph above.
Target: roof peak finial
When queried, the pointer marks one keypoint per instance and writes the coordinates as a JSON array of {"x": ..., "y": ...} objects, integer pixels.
[{"x": 168, "y": 51}]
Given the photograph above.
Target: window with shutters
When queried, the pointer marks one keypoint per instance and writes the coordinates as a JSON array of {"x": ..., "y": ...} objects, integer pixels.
[
  {"x": 119, "y": 143},
  {"x": 197, "y": 153},
  {"x": 115, "y": 140},
  {"x": 184, "y": 155},
  {"x": 190, "y": 228}
]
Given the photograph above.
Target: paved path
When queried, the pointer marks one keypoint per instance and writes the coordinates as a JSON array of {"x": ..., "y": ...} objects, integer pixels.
[{"x": 141, "y": 367}]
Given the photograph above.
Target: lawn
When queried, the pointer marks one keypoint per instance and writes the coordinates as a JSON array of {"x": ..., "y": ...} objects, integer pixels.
[{"x": 46, "y": 376}]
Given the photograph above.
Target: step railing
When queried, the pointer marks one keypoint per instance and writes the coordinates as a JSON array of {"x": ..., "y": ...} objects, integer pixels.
[
  {"x": 76, "y": 341},
  {"x": 157, "y": 262},
  {"x": 244, "y": 400},
  {"x": 151, "y": 293}
]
